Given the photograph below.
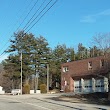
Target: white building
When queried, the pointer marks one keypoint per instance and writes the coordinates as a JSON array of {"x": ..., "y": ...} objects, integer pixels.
[{"x": 1, "y": 90}]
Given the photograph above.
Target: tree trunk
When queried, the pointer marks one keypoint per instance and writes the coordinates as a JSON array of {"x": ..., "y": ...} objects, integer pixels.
[{"x": 27, "y": 80}]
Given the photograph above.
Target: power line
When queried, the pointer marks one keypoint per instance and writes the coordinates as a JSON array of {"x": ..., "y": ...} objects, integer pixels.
[
  {"x": 23, "y": 14},
  {"x": 22, "y": 21},
  {"x": 3, "y": 53},
  {"x": 34, "y": 14},
  {"x": 38, "y": 15},
  {"x": 42, "y": 16},
  {"x": 17, "y": 14},
  {"x": 27, "y": 14},
  {"x": 31, "y": 17},
  {"x": 16, "y": 22}
]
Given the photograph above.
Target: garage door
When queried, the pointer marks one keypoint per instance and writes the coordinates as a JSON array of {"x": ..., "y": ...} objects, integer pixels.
[
  {"x": 77, "y": 86},
  {"x": 87, "y": 85},
  {"x": 99, "y": 85}
]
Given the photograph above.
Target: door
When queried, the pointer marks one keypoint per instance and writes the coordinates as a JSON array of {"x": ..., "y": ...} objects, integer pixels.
[
  {"x": 99, "y": 85},
  {"x": 77, "y": 86},
  {"x": 88, "y": 85}
]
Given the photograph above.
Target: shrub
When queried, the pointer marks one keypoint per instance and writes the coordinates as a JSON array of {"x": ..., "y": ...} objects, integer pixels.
[
  {"x": 26, "y": 89},
  {"x": 43, "y": 88}
]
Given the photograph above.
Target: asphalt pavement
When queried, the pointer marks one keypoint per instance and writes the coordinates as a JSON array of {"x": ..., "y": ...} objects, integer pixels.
[{"x": 43, "y": 102}]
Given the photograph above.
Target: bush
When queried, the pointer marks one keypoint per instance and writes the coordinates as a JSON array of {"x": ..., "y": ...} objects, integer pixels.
[
  {"x": 26, "y": 89},
  {"x": 43, "y": 88}
]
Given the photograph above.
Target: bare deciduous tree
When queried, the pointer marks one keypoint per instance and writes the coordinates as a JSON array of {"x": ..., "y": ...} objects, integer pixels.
[{"x": 102, "y": 41}]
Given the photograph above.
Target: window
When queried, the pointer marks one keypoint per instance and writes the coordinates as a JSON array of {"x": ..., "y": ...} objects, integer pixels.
[
  {"x": 102, "y": 63},
  {"x": 65, "y": 69},
  {"x": 90, "y": 65}
]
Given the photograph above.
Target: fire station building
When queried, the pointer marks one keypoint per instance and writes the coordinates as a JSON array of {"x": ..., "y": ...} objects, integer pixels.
[{"x": 87, "y": 75}]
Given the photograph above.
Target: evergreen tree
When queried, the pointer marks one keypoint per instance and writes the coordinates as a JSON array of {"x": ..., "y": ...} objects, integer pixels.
[
  {"x": 40, "y": 56},
  {"x": 82, "y": 52},
  {"x": 12, "y": 70},
  {"x": 59, "y": 55},
  {"x": 21, "y": 43}
]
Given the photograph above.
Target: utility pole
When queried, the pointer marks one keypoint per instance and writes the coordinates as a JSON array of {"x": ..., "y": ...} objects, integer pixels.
[
  {"x": 37, "y": 74},
  {"x": 47, "y": 78},
  {"x": 36, "y": 81},
  {"x": 109, "y": 87},
  {"x": 21, "y": 72}
]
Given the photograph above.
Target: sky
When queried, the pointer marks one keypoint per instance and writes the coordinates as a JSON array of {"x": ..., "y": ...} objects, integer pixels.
[{"x": 68, "y": 22}]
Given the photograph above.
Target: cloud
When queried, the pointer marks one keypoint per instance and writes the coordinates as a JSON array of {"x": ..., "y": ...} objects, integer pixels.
[
  {"x": 88, "y": 19},
  {"x": 105, "y": 13},
  {"x": 93, "y": 18}
]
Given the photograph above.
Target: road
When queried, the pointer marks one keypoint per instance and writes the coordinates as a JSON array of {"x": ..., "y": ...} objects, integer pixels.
[{"x": 43, "y": 102}]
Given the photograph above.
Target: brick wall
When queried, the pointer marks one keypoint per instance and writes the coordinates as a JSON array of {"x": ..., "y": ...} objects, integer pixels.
[{"x": 80, "y": 69}]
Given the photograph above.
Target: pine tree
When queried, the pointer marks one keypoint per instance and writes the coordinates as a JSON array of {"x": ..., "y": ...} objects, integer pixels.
[{"x": 21, "y": 42}]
